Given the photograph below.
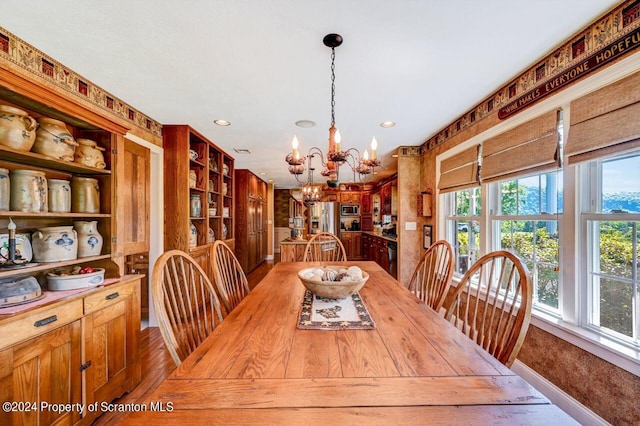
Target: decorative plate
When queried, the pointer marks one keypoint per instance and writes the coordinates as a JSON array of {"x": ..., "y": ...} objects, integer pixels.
[{"x": 23, "y": 247}]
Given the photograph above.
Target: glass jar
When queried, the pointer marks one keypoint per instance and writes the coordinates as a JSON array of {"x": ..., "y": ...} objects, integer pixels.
[{"x": 196, "y": 205}]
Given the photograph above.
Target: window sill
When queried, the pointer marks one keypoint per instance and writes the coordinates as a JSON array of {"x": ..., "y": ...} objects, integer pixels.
[{"x": 617, "y": 354}]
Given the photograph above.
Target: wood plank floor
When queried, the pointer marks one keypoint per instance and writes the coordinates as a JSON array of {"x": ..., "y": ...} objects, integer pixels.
[{"x": 156, "y": 361}]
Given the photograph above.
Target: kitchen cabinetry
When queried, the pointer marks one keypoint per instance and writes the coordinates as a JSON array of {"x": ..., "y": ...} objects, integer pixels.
[
  {"x": 292, "y": 251},
  {"x": 330, "y": 196},
  {"x": 43, "y": 360},
  {"x": 352, "y": 242},
  {"x": 366, "y": 211},
  {"x": 376, "y": 248},
  {"x": 365, "y": 203},
  {"x": 188, "y": 154},
  {"x": 385, "y": 198},
  {"x": 251, "y": 219},
  {"x": 350, "y": 197}
]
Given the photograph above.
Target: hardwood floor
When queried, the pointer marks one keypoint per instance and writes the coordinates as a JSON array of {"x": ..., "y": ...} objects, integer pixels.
[{"x": 156, "y": 361}]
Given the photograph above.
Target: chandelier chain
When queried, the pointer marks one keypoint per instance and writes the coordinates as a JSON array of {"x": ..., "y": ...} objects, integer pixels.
[{"x": 333, "y": 86}]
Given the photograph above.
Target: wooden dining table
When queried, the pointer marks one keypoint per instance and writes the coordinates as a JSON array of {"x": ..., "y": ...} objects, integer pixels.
[{"x": 258, "y": 367}]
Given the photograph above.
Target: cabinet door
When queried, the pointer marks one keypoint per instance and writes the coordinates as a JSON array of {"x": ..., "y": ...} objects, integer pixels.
[
  {"x": 43, "y": 369},
  {"x": 288, "y": 253},
  {"x": 112, "y": 332},
  {"x": 133, "y": 193},
  {"x": 347, "y": 240},
  {"x": 356, "y": 246},
  {"x": 365, "y": 202},
  {"x": 203, "y": 257},
  {"x": 366, "y": 223},
  {"x": 330, "y": 197}
]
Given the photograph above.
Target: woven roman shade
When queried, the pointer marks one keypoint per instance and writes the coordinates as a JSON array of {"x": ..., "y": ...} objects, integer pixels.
[
  {"x": 605, "y": 122},
  {"x": 530, "y": 147},
  {"x": 460, "y": 171}
]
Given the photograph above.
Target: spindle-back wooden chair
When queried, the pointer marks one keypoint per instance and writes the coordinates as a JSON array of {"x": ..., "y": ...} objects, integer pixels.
[
  {"x": 432, "y": 277},
  {"x": 492, "y": 304},
  {"x": 185, "y": 303},
  {"x": 229, "y": 277},
  {"x": 324, "y": 247}
]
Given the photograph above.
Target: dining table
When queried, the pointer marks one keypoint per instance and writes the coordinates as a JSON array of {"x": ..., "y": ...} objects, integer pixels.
[{"x": 412, "y": 367}]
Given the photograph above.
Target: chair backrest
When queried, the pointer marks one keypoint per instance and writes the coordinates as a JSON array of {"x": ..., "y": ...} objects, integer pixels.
[
  {"x": 230, "y": 279},
  {"x": 492, "y": 304},
  {"x": 185, "y": 303},
  {"x": 324, "y": 247},
  {"x": 432, "y": 277}
]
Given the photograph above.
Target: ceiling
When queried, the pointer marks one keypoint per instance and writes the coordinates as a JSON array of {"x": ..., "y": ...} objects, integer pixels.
[{"x": 262, "y": 65}]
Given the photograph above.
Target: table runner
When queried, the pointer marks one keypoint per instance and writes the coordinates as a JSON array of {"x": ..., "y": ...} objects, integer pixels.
[{"x": 320, "y": 313}]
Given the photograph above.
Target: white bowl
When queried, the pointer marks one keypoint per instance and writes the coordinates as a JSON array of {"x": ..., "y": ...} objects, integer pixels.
[
  {"x": 331, "y": 289},
  {"x": 71, "y": 282}
]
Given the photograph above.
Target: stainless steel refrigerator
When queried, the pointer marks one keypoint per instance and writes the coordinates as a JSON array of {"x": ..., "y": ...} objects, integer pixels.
[{"x": 324, "y": 217}]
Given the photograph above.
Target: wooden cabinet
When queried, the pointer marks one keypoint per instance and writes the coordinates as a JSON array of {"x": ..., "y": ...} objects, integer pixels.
[
  {"x": 292, "y": 252},
  {"x": 365, "y": 203},
  {"x": 350, "y": 197},
  {"x": 251, "y": 219},
  {"x": 122, "y": 219},
  {"x": 376, "y": 249},
  {"x": 80, "y": 349},
  {"x": 330, "y": 196},
  {"x": 135, "y": 193},
  {"x": 352, "y": 242},
  {"x": 111, "y": 329},
  {"x": 188, "y": 154},
  {"x": 385, "y": 198}
]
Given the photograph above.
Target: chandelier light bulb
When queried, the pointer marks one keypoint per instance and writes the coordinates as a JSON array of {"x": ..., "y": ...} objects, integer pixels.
[
  {"x": 366, "y": 155},
  {"x": 294, "y": 145},
  {"x": 337, "y": 138},
  {"x": 374, "y": 147}
]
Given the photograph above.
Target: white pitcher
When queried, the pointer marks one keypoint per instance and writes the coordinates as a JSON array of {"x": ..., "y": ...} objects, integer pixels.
[{"x": 89, "y": 239}]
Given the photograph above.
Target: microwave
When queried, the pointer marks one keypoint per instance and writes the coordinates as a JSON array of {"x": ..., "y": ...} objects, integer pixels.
[{"x": 349, "y": 210}]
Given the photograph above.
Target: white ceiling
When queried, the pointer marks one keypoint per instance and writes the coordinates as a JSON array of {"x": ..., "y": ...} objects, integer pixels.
[{"x": 261, "y": 64}]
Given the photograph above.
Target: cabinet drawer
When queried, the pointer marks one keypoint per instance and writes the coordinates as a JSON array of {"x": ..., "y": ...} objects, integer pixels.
[
  {"x": 39, "y": 322},
  {"x": 108, "y": 296}
]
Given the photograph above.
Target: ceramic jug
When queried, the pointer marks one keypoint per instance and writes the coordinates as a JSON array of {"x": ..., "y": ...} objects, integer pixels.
[
  {"x": 89, "y": 154},
  {"x": 59, "y": 195},
  {"x": 54, "y": 244},
  {"x": 28, "y": 191},
  {"x": 5, "y": 188},
  {"x": 193, "y": 235},
  {"x": 54, "y": 140},
  {"x": 85, "y": 195},
  {"x": 17, "y": 129},
  {"x": 89, "y": 239}
]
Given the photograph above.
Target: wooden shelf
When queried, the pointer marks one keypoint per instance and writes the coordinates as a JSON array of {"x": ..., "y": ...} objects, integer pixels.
[
  {"x": 13, "y": 214},
  {"x": 32, "y": 159},
  {"x": 49, "y": 265}
]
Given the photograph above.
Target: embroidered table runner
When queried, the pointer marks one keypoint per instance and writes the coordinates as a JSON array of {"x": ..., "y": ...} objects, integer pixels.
[{"x": 319, "y": 313}]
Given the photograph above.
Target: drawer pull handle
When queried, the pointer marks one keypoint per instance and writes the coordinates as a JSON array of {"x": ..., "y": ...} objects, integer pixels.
[
  {"x": 112, "y": 296},
  {"x": 85, "y": 365},
  {"x": 45, "y": 321}
]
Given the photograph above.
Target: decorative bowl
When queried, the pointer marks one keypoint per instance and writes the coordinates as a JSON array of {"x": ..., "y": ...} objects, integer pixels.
[
  {"x": 74, "y": 281},
  {"x": 331, "y": 289}
]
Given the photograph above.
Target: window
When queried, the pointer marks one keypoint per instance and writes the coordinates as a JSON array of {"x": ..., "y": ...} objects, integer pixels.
[
  {"x": 611, "y": 217},
  {"x": 525, "y": 221},
  {"x": 463, "y": 227}
]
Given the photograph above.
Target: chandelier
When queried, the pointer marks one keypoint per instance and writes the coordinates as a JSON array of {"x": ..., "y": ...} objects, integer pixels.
[{"x": 361, "y": 166}]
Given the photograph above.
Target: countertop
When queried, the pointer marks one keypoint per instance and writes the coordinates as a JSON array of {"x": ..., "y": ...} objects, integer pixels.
[{"x": 384, "y": 237}]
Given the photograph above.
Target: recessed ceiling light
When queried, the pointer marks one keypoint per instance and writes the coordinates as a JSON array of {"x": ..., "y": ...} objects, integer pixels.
[
  {"x": 305, "y": 123},
  {"x": 263, "y": 174},
  {"x": 222, "y": 122},
  {"x": 387, "y": 124}
]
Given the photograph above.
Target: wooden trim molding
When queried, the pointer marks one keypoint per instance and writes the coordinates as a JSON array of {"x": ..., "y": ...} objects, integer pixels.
[
  {"x": 615, "y": 25},
  {"x": 25, "y": 69}
]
